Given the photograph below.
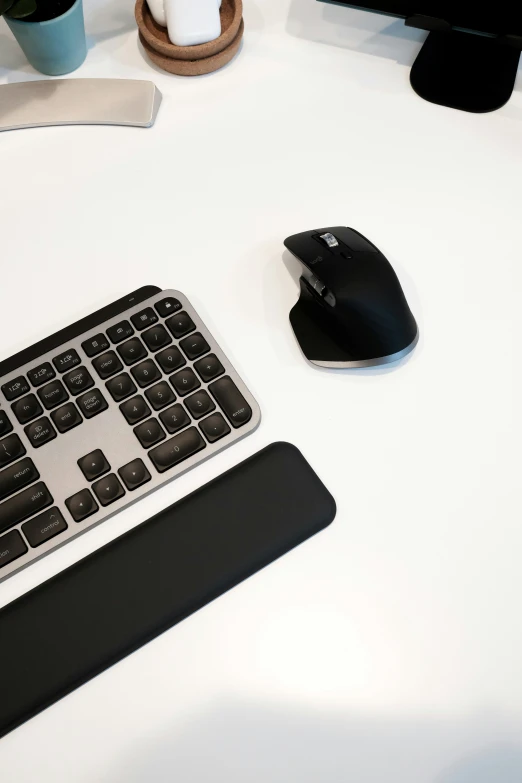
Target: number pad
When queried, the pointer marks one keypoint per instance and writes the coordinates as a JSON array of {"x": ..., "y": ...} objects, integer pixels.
[
  {"x": 146, "y": 373},
  {"x": 121, "y": 387},
  {"x": 149, "y": 433},
  {"x": 135, "y": 410},
  {"x": 160, "y": 395},
  {"x": 156, "y": 338},
  {"x": 170, "y": 359},
  {"x": 199, "y": 404},
  {"x": 194, "y": 346},
  {"x": 180, "y": 324},
  {"x": 175, "y": 418},
  {"x": 107, "y": 365},
  {"x": 132, "y": 351},
  {"x": 184, "y": 382}
]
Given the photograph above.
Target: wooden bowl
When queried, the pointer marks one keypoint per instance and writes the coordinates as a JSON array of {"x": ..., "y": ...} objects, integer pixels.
[
  {"x": 194, "y": 67},
  {"x": 157, "y": 37}
]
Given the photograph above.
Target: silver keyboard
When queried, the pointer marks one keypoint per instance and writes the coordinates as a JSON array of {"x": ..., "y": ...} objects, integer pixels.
[{"x": 106, "y": 411}]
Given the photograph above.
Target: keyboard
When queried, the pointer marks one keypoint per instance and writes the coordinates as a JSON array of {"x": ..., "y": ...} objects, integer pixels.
[{"x": 105, "y": 411}]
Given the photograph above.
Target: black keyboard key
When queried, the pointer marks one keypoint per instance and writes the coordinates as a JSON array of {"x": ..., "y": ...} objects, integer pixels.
[
  {"x": 5, "y": 424},
  {"x": 40, "y": 432},
  {"x": 146, "y": 373},
  {"x": 149, "y": 432},
  {"x": 237, "y": 409},
  {"x": 199, "y": 404},
  {"x": 41, "y": 374},
  {"x": 135, "y": 410},
  {"x": 107, "y": 364},
  {"x": 27, "y": 408},
  {"x": 44, "y": 527},
  {"x": 94, "y": 465},
  {"x": 134, "y": 474},
  {"x": 175, "y": 418},
  {"x": 95, "y": 345},
  {"x": 81, "y": 505},
  {"x": 160, "y": 395},
  {"x": 78, "y": 380},
  {"x": 170, "y": 359},
  {"x": 156, "y": 338},
  {"x": 12, "y": 546},
  {"x": 17, "y": 476},
  {"x": 66, "y": 361},
  {"x": 121, "y": 387},
  {"x": 66, "y": 417},
  {"x": 176, "y": 449},
  {"x": 132, "y": 351},
  {"x": 15, "y": 388},
  {"x": 209, "y": 368},
  {"x": 120, "y": 332},
  {"x": 108, "y": 489},
  {"x": 194, "y": 346},
  {"x": 11, "y": 448},
  {"x": 180, "y": 324},
  {"x": 144, "y": 318},
  {"x": 167, "y": 306},
  {"x": 24, "y": 505},
  {"x": 214, "y": 427},
  {"x": 184, "y": 382},
  {"x": 53, "y": 394},
  {"x": 92, "y": 403}
]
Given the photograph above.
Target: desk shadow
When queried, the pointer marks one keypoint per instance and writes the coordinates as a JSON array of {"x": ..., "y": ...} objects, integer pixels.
[{"x": 254, "y": 742}]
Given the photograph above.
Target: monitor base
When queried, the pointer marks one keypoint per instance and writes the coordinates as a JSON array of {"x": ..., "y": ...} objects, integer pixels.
[{"x": 465, "y": 71}]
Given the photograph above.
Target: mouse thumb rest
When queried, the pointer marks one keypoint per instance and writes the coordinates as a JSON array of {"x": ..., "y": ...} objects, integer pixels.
[{"x": 320, "y": 340}]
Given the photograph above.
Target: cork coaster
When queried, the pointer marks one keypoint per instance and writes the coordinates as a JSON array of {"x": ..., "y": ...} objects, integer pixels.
[
  {"x": 157, "y": 37},
  {"x": 195, "y": 67}
]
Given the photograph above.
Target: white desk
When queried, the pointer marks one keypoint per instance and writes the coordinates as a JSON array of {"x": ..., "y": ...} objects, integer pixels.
[{"x": 388, "y": 649}]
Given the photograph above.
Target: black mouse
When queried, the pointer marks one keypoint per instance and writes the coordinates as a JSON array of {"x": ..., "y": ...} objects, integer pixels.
[{"x": 352, "y": 311}]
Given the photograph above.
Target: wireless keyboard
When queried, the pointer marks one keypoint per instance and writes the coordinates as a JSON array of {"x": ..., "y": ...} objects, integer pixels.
[{"x": 105, "y": 411}]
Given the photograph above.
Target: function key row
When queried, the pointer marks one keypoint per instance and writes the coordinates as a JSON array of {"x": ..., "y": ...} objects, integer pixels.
[{"x": 155, "y": 338}]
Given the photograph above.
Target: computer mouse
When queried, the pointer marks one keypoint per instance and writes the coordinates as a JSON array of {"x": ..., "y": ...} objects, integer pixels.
[{"x": 352, "y": 311}]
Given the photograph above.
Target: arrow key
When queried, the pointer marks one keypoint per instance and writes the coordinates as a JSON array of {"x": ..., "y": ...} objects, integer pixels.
[
  {"x": 108, "y": 489},
  {"x": 134, "y": 474},
  {"x": 94, "y": 465},
  {"x": 81, "y": 505}
]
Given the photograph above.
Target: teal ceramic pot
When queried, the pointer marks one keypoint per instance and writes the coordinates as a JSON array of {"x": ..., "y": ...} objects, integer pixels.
[{"x": 54, "y": 47}]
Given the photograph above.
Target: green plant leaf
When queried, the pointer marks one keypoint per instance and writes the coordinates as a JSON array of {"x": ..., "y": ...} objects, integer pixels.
[
  {"x": 21, "y": 8},
  {"x": 5, "y": 5}
]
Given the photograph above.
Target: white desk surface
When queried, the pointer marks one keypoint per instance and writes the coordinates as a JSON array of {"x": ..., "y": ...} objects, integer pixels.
[{"x": 388, "y": 649}]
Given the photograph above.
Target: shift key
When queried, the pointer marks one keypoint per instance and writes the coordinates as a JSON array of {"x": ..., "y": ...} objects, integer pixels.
[
  {"x": 24, "y": 505},
  {"x": 17, "y": 477}
]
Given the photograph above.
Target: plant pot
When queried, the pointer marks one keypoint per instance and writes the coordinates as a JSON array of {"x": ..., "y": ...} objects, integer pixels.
[{"x": 56, "y": 46}]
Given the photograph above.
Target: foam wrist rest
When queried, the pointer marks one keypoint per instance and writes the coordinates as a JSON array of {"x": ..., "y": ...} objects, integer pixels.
[{"x": 90, "y": 616}]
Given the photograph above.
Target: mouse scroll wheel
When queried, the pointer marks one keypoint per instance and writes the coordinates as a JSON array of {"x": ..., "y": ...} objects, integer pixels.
[{"x": 329, "y": 240}]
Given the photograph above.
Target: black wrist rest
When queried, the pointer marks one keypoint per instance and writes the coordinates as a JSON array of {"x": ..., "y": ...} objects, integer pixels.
[{"x": 80, "y": 622}]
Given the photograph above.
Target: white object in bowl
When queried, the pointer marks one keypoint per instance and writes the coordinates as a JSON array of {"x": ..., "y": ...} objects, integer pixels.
[{"x": 192, "y": 22}]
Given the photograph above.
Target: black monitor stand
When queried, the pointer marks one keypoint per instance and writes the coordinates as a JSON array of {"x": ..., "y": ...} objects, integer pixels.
[{"x": 464, "y": 71}]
